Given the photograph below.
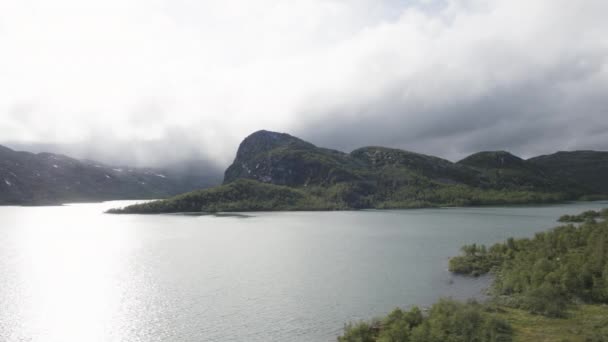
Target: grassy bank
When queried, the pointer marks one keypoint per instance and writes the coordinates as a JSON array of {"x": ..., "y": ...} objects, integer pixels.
[{"x": 582, "y": 324}]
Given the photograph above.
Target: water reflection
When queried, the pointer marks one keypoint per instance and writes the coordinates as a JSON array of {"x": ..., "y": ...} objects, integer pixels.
[{"x": 72, "y": 273}]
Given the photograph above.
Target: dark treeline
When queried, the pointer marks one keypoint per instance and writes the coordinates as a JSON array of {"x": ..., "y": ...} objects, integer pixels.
[{"x": 251, "y": 195}]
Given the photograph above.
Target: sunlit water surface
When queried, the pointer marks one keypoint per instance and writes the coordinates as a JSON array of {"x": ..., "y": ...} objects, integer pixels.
[{"x": 74, "y": 274}]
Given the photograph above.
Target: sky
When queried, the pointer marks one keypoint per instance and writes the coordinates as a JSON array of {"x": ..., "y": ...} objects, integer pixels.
[{"x": 151, "y": 82}]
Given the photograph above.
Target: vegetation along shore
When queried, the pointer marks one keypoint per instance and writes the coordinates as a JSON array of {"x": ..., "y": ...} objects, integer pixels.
[{"x": 552, "y": 287}]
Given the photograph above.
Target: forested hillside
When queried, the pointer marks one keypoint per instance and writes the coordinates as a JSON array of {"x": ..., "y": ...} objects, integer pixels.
[{"x": 382, "y": 178}]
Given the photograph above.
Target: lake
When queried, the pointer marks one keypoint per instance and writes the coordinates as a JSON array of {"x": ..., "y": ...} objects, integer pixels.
[{"x": 72, "y": 274}]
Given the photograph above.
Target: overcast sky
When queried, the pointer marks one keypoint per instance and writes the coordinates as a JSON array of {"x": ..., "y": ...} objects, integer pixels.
[{"x": 143, "y": 81}]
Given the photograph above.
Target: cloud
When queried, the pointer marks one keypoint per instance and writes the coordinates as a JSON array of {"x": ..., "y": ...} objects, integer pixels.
[
  {"x": 474, "y": 76},
  {"x": 162, "y": 79}
]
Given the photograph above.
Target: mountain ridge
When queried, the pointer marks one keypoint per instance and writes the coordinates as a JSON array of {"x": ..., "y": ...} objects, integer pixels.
[
  {"x": 46, "y": 178},
  {"x": 380, "y": 177}
]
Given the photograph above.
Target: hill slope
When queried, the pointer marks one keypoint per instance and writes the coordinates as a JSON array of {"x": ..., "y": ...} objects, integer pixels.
[
  {"x": 502, "y": 170},
  {"x": 45, "y": 178},
  {"x": 589, "y": 169},
  {"x": 374, "y": 177}
]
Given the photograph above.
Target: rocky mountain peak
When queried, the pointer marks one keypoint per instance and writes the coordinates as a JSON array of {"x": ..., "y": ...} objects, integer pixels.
[
  {"x": 264, "y": 141},
  {"x": 493, "y": 160}
]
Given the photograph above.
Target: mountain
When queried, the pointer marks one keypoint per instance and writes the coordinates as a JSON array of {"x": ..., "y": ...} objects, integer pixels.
[
  {"x": 502, "y": 170},
  {"x": 281, "y": 159},
  {"x": 46, "y": 178},
  {"x": 379, "y": 177}
]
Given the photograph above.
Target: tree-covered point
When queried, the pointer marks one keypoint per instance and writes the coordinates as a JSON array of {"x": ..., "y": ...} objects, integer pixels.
[
  {"x": 476, "y": 260},
  {"x": 393, "y": 193},
  {"x": 241, "y": 195},
  {"x": 545, "y": 274},
  {"x": 585, "y": 216},
  {"x": 446, "y": 321}
]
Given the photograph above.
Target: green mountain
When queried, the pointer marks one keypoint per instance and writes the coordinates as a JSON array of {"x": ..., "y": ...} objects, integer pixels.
[
  {"x": 276, "y": 171},
  {"x": 502, "y": 170}
]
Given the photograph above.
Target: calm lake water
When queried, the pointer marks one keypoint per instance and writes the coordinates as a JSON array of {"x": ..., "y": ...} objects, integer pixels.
[{"x": 73, "y": 274}]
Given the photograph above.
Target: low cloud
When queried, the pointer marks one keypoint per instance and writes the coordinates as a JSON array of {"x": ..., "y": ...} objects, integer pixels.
[
  {"x": 500, "y": 75},
  {"x": 153, "y": 82}
]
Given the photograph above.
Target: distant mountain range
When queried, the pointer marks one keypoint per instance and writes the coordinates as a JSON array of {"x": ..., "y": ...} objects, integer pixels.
[
  {"x": 46, "y": 178},
  {"x": 276, "y": 171}
]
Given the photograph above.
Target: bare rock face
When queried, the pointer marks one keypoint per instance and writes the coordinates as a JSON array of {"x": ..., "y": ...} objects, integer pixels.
[{"x": 282, "y": 159}]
